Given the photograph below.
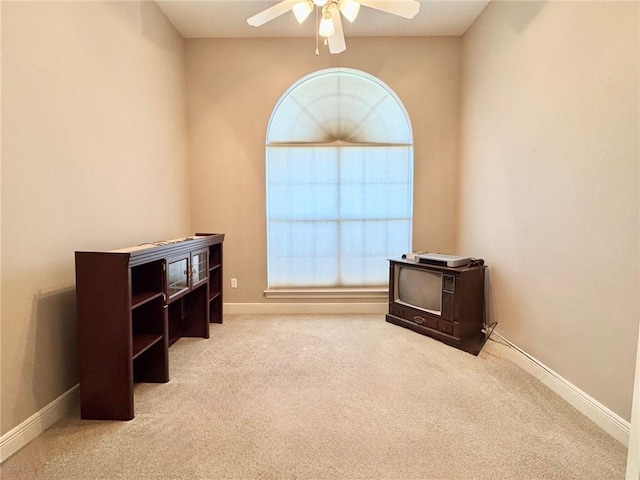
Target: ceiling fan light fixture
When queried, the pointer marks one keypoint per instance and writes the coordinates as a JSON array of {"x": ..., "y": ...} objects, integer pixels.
[
  {"x": 331, "y": 24},
  {"x": 349, "y": 9},
  {"x": 326, "y": 28},
  {"x": 302, "y": 9}
]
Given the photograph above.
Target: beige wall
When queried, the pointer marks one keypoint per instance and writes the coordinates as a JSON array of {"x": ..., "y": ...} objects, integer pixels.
[
  {"x": 233, "y": 86},
  {"x": 1, "y": 430},
  {"x": 93, "y": 157},
  {"x": 549, "y": 183}
]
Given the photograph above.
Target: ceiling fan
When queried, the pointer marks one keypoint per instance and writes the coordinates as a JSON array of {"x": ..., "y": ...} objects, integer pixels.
[{"x": 330, "y": 25}]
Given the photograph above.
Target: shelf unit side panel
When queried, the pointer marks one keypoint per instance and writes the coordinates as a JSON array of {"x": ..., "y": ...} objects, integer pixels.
[
  {"x": 103, "y": 300},
  {"x": 215, "y": 282}
]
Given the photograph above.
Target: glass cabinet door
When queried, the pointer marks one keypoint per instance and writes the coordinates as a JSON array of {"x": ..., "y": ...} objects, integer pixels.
[
  {"x": 177, "y": 276},
  {"x": 198, "y": 268}
]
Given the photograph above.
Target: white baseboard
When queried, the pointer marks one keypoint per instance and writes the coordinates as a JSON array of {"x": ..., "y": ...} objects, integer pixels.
[
  {"x": 301, "y": 308},
  {"x": 633, "y": 457},
  {"x": 602, "y": 416},
  {"x": 20, "y": 436}
]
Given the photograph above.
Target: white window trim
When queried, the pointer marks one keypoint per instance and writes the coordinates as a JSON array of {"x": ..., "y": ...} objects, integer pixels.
[
  {"x": 336, "y": 292},
  {"x": 316, "y": 293}
]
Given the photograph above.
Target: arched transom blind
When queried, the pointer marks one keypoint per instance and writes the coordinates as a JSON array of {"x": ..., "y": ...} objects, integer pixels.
[
  {"x": 339, "y": 182},
  {"x": 339, "y": 105}
]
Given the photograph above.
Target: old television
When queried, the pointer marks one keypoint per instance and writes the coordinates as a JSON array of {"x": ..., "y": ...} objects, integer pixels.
[
  {"x": 421, "y": 289},
  {"x": 446, "y": 303}
]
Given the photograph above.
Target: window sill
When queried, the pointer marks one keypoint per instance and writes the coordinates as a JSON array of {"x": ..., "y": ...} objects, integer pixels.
[{"x": 307, "y": 293}]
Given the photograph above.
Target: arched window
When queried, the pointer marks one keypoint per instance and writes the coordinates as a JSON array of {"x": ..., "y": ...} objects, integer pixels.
[{"x": 339, "y": 169}]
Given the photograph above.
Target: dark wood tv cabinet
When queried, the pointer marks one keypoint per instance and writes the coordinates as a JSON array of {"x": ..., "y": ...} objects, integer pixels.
[
  {"x": 460, "y": 321},
  {"x": 133, "y": 303}
]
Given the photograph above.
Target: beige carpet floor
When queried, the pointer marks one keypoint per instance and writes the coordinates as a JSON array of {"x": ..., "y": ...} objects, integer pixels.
[{"x": 329, "y": 397}]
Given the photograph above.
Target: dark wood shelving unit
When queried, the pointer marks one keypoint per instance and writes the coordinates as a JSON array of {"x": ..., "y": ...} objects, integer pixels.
[{"x": 127, "y": 317}]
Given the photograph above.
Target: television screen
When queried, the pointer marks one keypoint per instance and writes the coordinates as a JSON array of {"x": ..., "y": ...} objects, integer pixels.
[{"x": 419, "y": 289}]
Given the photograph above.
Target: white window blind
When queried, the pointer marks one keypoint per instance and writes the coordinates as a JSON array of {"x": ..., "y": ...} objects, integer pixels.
[{"x": 337, "y": 209}]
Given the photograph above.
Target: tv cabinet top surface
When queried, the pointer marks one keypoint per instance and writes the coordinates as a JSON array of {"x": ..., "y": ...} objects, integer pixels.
[{"x": 416, "y": 263}]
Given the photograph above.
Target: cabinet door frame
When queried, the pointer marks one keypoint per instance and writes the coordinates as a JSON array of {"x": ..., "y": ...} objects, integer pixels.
[
  {"x": 205, "y": 277},
  {"x": 178, "y": 258}
]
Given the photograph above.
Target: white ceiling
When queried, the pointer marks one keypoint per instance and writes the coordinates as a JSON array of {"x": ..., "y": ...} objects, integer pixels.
[{"x": 227, "y": 19}]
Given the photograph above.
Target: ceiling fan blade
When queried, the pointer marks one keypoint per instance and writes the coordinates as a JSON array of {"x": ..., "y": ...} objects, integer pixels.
[
  {"x": 402, "y": 8},
  {"x": 270, "y": 13},
  {"x": 336, "y": 41}
]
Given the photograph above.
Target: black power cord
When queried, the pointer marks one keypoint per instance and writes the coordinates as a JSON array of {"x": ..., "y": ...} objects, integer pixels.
[
  {"x": 475, "y": 262},
  {"x": 489, "y": 329}
]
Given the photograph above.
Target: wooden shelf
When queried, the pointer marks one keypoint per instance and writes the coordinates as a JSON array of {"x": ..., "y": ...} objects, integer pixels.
[
  {"x": 143, "y": 342},
  {"x": 144, "y": 297},
  {"x": 215, "y": 283},
  {"x": 126, "y": 320}
]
